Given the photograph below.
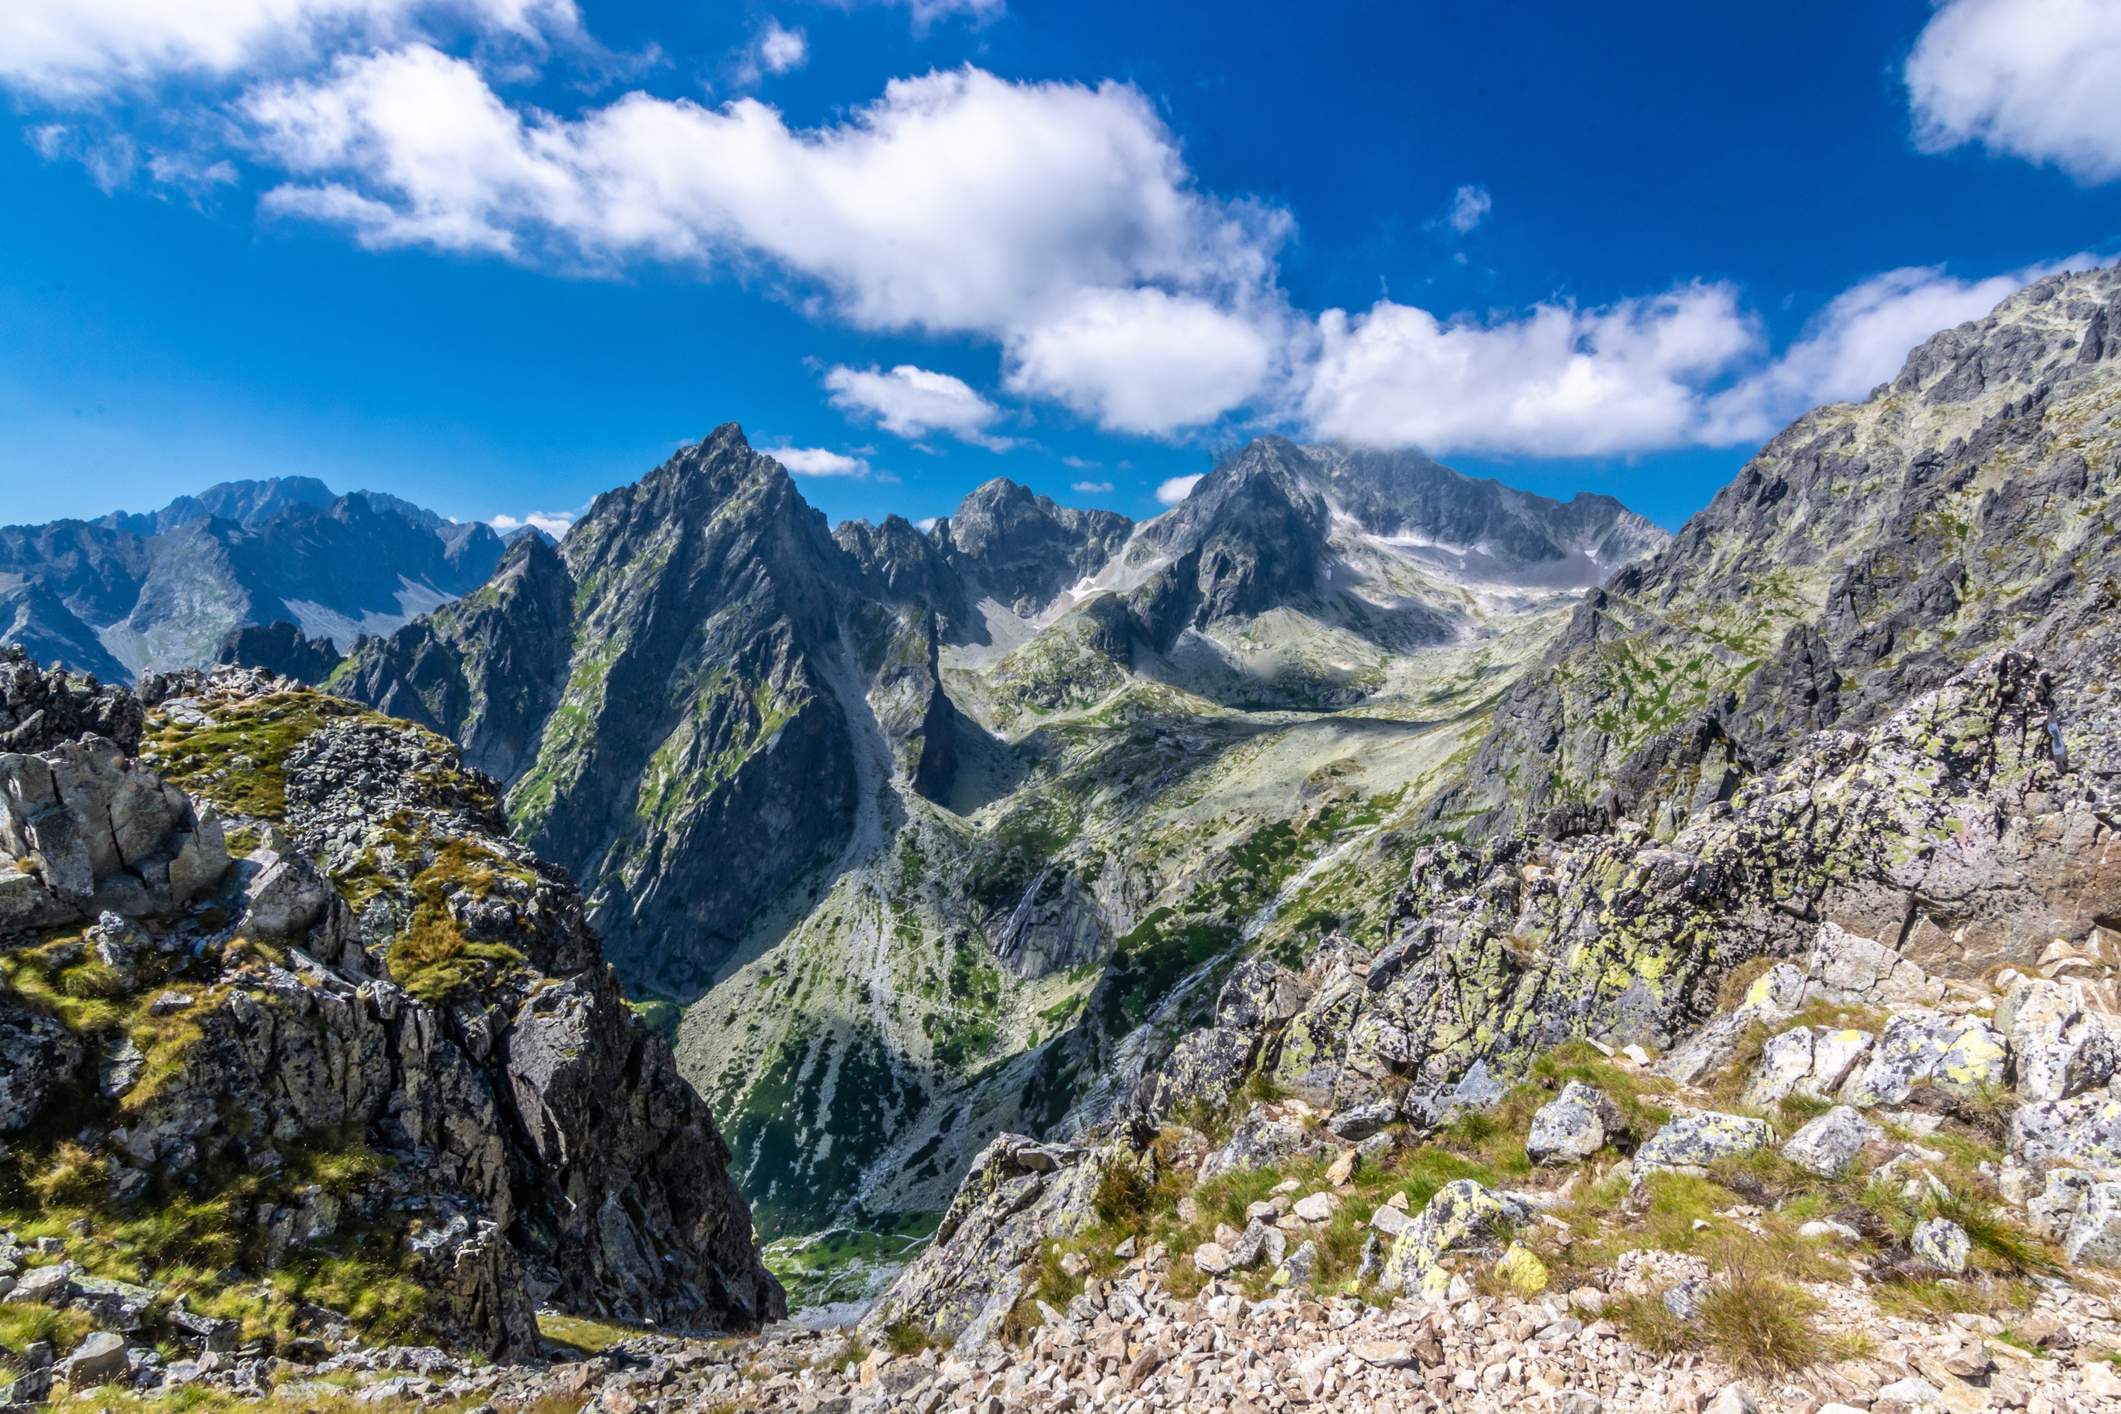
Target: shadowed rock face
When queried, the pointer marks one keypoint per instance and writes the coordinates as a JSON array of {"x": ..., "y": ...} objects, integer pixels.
[
  {"x": 1868, "y": 553},
  {"x": 1020, "y": 548},
  {"x": 281, "y": 649},
  {"x": 422, "y": 1012}
]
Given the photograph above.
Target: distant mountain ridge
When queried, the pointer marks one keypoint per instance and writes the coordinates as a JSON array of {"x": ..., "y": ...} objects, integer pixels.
[{"x": 130, "y": 593}]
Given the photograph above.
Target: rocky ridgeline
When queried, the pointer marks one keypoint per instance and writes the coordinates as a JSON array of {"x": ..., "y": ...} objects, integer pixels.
[
  {"x": 1613, "y": 1123},
  {"x": 301, "y": 1053}
]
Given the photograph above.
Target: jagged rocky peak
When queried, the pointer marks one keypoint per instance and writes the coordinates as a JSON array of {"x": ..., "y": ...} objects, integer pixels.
[
  {"x": 303, "y": 1051},
  {"x": 1468, "y": 526},
  {"x": 1866, "y": 554},
  {"x": 1023, "y": 549}
]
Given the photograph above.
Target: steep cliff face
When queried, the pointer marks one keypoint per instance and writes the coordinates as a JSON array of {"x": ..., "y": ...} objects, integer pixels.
[
  {"x": 1866, "y": 554},
  {"x": 282, "y": 1004},
  {"x": 1021, "y": 549},
  {"x": 483, "y": 671}
]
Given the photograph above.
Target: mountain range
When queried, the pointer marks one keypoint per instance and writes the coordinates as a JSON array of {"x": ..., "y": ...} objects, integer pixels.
[
  {"x": 965, "y": 768},
  {"x": 133, "y": 593}
]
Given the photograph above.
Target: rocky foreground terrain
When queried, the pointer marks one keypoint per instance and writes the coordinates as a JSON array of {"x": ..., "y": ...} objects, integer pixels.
[{"x": 302, "y": 1053}]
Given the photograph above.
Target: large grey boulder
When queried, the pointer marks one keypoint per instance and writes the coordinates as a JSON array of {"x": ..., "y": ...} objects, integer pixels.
[
  {"x": 1806, "y": 1060},
  {"x": 1204, "y": 1069},
  {"x": 1697, "y": 1138},
  {"x": 97, "y": 1360},
  {"x": 2094, "y": 1234},
  {"x": 2057, "y": 1048},
  {"x": 2083, "y": 1130},
  {"x": 1956, "y": 1052},
  {"x": 1843, "y": 967},
  {"x": 1462, "y": 1216},
  {"x": 1572, "y": 1126},
  {"x": 1830, "y": 1143}
]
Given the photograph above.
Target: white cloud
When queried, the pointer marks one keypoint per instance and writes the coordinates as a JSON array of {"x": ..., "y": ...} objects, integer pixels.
[
  {"x": 776, "y": 50},
  {"x": 1469, "y": 207},
  {"x": 913, "y": 402},
  {"x": 553, "y": 523},
  {"x": 817, "y": 461},
  {"x": 1558, "y": 381},
  {"x": 1171, "y": 492},
  {"x": 928, "y": 12},
  {"x": 74, "y": 49},
  {"x": 1859, "y": 341},
  {"x": 110, "y": 159},
  {"x": 1057, "y": 219},
  {"x": 1141, "y": 360},
  {"x": 2038, "y": 79},
  {"x": 782, "y": 49},
  {"x": 1091, "y": 488}
]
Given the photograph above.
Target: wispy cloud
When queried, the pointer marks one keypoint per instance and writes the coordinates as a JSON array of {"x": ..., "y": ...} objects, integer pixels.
[{"x": 818, "y": 461}]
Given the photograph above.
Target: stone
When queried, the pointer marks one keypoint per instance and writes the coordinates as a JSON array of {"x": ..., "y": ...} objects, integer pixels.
[
  {"x": 1385, "y": 1354},
  {"x": 98, "y": 1359},
  {"x": 1733, "y": 1398},
  {"x": 1911, "y": 1391},
  {"x": 1212, "y": 1258},
  {"x": 2094, "y": 1234},
  {"x": 1521, "y": 1268},
  {"x": 1696, "y": 1138},
  {"x": 44, "y": 1286},
  {"x": 1462, "y": 1216},
  {"x": 1855, "y": 970},
  {"x": 1572, "y": 1126},
  {"x": 1317, "y": 1207},
  {"x": 2057, "y": 1049},
  {"x": 1961, "y": 1053},
  {"x": 1941, "y": 1243},
  {"x": 1808, "y": 1061},
  {"x": 2083, "y": 1130},
  {"x": 1831, "y": 1142}
]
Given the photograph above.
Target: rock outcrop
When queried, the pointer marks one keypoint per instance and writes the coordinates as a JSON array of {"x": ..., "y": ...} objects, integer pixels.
[{"x": 373, "y": 1041}]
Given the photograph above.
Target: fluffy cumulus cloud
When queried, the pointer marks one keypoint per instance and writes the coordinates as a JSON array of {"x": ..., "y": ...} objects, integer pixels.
[
  {"x": 1176, "y": 489},
  {"x": 1057, "y": 219},
  {"x": 1558, "y": 381},
  {"x": 1142, "y": 360},
  {"x": 553, "y": 523},
  {"x": 914, "y": 402},
  {"x": 71, "y": 49},
  {"x": 817, "y": 461},
  {"x": 2037, "y": 79}
]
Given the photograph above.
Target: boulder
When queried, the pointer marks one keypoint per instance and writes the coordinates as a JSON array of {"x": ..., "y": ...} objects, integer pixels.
[
  {"x": 1261, "y": 995},
  {"x": 1941, "y": 1243},
  {"x": 97, "y": 1360},
  {"x": 1957, "y": 1052},
  {"x": 1696, "y": 1138},
  {"x": 1830, "y": 1143},
  {"x": 2094, "y": 1234},
  {"x": 1263, "y": 1138},
  {"x": 1845, "y": 968},
  {"x": 1572, "y": 1126},
  {"x": 38, "y": 1059},
  {"x": 2057, "y": 1049},
  {"x": 2085, "y": 1130},
  {"x": 1462, "y": 1216},
  {"x": 1808, "y": 1061},
  {"x": 1204, "y": 1069}
]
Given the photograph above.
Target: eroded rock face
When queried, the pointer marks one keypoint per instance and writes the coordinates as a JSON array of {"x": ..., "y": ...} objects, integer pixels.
[
  {"x": 430, "y": 1006},
  {"x": 1955, "y": 819},
  {"x": 1019, "y": 1193}
]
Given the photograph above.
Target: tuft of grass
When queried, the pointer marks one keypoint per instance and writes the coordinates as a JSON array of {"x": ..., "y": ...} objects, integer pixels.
[
  {"x": 1755, "y": 1323},
  {"x": 911, "y": 1338},
  {"x": 585, "y": 1335}
]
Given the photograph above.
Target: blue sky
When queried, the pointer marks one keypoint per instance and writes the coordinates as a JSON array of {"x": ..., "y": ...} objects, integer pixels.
[{"x": 499, "y": 255}]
